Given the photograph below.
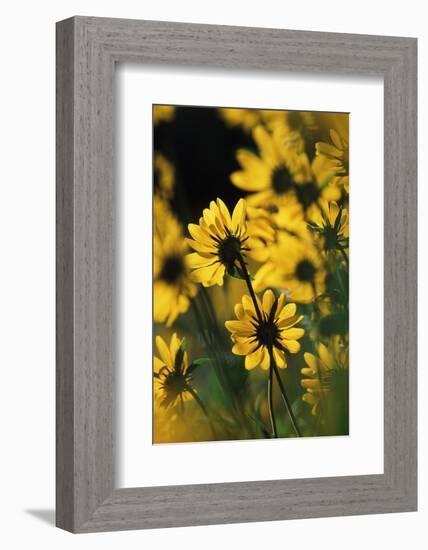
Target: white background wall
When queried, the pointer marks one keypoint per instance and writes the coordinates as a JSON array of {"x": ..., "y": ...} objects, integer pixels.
[{"x": 27, "y": 271}]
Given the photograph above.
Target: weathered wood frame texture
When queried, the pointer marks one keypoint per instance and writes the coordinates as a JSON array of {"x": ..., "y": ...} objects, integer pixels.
[{"x": 87, "y": 50}]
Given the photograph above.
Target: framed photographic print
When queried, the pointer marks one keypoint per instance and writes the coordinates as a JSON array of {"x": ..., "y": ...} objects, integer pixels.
[{"x": 236, "y": 274}]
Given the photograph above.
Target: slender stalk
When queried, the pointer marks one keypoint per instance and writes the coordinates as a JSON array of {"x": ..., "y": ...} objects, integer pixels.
[
  {"x": 270, "y": 402},
  {"x": 203, "y": 408},
  {"x": 284, "y": 394},
  {"x": 250, "y": 287},
  {"x": 273, "y": 366}
]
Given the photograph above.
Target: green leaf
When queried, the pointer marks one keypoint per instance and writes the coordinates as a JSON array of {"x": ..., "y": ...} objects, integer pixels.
[
  {"x": 183, "y": 345},
  {"x": 201, "y": 361},
  {"x": 197, "y": 363}
]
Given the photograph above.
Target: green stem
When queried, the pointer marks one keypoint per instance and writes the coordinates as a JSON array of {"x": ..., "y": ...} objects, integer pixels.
[
  {"x": 203, "y": 408},
  {"x": 270, "y": 402},
  {"x": 284, "y": 394},
  {"x": 250, "y": 287}
]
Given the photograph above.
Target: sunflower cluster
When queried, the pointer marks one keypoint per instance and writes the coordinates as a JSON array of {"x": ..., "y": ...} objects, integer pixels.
[
  {"x": 173, "y": 287},
  {"x": 269, "y": 269}
]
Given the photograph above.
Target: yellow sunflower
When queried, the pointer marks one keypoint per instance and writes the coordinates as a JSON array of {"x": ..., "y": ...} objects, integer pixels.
[
  {"x": 219, "y": 242},
  {"x": 170, "y": 372},
  {"x": 331, "y": 222},
  {"x": 326, "y": 373},
  {"x": 163, "y": 177},
  {"x": 294, "y": 266},
  {"x": 274, "y": 329},
  {"x": 337, "y": 154},
  {"x": 163, "y": 113},
  {"x": 270, "y": 177},
  {"x": 281, "y": 176},
  {"x": 173, "y": 287}
]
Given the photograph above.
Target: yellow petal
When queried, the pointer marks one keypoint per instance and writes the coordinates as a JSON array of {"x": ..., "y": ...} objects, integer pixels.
[
  {"x": 242, "y": 328},
  {"x": 311, "y": 361},
  {"x": 310, "y": 383},
  {"x": 174, "y": 345},
  {"x": 238, "y": 216},
  {"x": 157, "y": 364},
  {"x": 279, "y": 358},
  {"x": 253, "y": 360},
  {"x": 266, "y": 146},
  {"x": 289, "y": 322},
  {"x": 265, "y": 362},
  {"x": 281, "y": 301},
  {"x": 209, "y": 216},
  {"x": 248, "y": 305},
  {"x": 255, "y": 175},
  {"x": 325, "y": 356},
  {"x": 204, "y": 274},
  {"x": 333, "y": 213},
  {"x": 194, "y": 261},
  {"x": 198, "y": 234},
  {"x": 308, "y": 372},
  {"x": 239, "y": 312},
  {"x": 268, "y": 301},
  {"x": 224, "y": 211},
  {"x": 292, "y": 333},
  {"x": 328, "y": 150},
  {"x": 288, "y": 311},
  {"x": 218, "y": 276},
  {"x": 292, "y": 346},
  {"x": 310, "y": 398},
  {"x": 163, "y": 351},
  {"x": 201, "y": 248},
  {"x": 243, "y": 348}
]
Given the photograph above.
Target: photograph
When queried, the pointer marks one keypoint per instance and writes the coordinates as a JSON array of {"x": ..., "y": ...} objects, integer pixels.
[{"x": 250, "y": 274}]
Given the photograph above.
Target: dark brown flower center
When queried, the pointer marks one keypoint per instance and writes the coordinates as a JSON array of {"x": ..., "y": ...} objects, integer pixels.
[
  {"x": 282, "y": 180},
  {"x": 229, "y": 251},
  {"x": 330, "y": 236},
  {"x": 172, "y": 269},
  {"x": 267, "y": 333},
  {"x": 307, "y": 194},
  {"x": 305, "y": 271},
  {"x": 174, "y": 384}
]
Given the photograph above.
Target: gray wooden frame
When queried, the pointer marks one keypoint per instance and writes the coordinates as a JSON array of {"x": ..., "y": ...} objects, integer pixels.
[{"x": 87, "y": 50}]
